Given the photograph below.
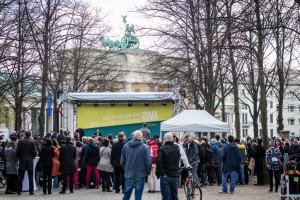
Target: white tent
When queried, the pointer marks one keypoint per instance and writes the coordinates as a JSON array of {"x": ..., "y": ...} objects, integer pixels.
[{"x": 194, "y": 121}]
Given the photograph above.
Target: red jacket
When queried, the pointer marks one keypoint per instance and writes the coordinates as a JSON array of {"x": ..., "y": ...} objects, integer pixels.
[{"x": 153, "y": 146}]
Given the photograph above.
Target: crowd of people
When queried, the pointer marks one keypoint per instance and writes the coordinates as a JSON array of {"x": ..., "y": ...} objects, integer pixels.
[{"x": 121, "y": 164}]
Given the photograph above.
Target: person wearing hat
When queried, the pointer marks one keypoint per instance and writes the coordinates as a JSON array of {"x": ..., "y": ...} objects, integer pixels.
[
  {"x": 115, "y": 158},
  {"x": 274, "y": 164},
  {"x": 67, "y": 158}
]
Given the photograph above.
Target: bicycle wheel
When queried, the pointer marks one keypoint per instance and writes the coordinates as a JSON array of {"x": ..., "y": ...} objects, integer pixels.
[
  {"x": 188, "y": 190},
  {"x": 192, "y": 191},
  {"x": 2, "y": 182}
]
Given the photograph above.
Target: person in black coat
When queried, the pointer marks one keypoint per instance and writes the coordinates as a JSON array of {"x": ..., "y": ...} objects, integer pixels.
[
  {"x": 259, "y": 156},
  {"x": 46, "y": 157},
  {"x": 67, "y": 158},
  {"x": 61, "y": 137},
  {"x": 26, "y": 152},
  {"x": 116, "y": 151}
]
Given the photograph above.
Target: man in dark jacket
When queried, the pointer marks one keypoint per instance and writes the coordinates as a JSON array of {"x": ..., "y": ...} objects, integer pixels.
[
  {"x": 231, "y": 158},
  {"x": 136, "y": 162},
  {"x": 116, "y": 151},
  {"x": 67, "y": 158},
  {"x": 191, "y": 150},
  {"x": 259, "y": 156},
  {"x": 61, "y": 137},
  {"x": 26, "y": 152},
  {"x": 167, "y": 168}
]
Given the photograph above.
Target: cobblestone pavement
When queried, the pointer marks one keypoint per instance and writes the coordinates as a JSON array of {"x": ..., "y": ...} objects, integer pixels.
[{"x": 249, "y": 192}]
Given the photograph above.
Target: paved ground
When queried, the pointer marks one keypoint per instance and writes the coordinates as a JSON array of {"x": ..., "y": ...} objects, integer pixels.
[{"x": 209, "y": 193}]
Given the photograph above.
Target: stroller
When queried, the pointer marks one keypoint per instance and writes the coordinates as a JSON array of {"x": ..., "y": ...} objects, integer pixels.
[{"x": 290, "y": 179}]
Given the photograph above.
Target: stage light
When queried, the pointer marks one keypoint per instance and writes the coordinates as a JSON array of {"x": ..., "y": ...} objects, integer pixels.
[
  {"x": 164, "y": 103},
  {"x": 146, "y": 103},
  {"x": 96, "y": 103},
  {"x": 130, "y": 103},
  {"x": 112, "y": 103}
]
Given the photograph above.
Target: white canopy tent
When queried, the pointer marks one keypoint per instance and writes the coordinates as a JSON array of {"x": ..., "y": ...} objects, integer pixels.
[{"x": 194, "y": 121}]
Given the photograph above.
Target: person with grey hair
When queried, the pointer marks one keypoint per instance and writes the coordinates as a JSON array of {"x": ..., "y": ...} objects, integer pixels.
[
  {"x": 167, "y": 168},
  {"x": 136, "y": 162},
  {"x": 274, "y": 164}
]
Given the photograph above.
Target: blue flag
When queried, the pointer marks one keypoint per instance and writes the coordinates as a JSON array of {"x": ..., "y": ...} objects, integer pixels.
[{"x": 49, "y": 103}]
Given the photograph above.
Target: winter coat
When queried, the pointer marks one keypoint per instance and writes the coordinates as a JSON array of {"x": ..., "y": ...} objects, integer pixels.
[
  {"x": 46, "y": 156},
  {"x": 104, "y": 164},
  {"x": 11, "y": 158},
  {"x": 191, "y": 151},
  {"x": 56, "y": 163},
  {"x": 153, "y": 146},
  {"x": 116, "y": 151},
  {"x": 67, "y": 158},
  {"x": 259, "y": 156},
  {"x": 92, "y": 155},
  {"x": 26, "y": 152},
  {"x": 168, "y": 159},
  {"x": 136, "y": 159},
  {"x": 231, "y": 157}
]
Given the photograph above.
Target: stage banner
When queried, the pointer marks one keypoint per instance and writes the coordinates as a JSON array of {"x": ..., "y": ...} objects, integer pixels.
[{"x": 105, "y": 115}]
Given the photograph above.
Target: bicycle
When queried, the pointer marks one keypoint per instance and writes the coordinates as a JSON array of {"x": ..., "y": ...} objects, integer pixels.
[{"x": 192, "y": 188}]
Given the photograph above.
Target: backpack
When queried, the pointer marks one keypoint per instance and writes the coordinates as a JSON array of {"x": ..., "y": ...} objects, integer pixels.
[
  {"x": 272, "y": 159},
  {"x": 215, "y": 159},
  {"x": 153, "y": 152}
]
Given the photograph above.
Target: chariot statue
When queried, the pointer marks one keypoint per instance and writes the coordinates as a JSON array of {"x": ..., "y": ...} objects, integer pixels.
[{"x": 129, "y": 40}]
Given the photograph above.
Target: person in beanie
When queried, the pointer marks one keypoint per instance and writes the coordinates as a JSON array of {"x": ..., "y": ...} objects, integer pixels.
[
  {"x": 231, "y": 158},
  {"x": 273, "y": 163}
]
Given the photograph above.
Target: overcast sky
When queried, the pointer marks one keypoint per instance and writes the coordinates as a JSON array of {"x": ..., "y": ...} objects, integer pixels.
[{"x": 116, "y": 8}]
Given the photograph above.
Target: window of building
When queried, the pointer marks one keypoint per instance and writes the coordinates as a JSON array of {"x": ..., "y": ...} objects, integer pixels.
[
  {"x": 226, "y": 117},
  {"x": 271, "y": 118},
  {"x": 244, "y": 118},
  {"x": 291, "y": 121},
  {"x": 245, "y": 132},
  {"x": 277, "y": 107},
  {"x": 271, "y": 133},
  {"x": 291, "y": 108},
  {"x": 271, "y": 104}
]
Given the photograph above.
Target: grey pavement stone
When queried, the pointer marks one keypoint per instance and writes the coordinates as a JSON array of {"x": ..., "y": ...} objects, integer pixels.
[{"x": 249, "y": 192}]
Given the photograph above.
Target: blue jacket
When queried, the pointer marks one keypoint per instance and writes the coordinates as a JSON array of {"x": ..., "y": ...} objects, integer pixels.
[
  {"x": 231, "y": 157},
  {"x": 136, "y": 159}
]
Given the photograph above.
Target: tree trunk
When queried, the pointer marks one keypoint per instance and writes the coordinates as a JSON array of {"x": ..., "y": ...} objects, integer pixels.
[
  {"x": 237, "y": 122},
  {"x": 261, "y": 76}
]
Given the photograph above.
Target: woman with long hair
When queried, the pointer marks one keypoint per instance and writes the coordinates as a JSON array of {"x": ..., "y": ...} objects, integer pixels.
[
  {"x": 55, "y": 166},
  {"x": 104, "y": 165},
  {"x": 46, "y": 156}
]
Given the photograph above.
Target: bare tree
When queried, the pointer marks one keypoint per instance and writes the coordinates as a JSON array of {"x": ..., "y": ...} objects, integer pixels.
[
  {"x": 21, "y": 79},
  {"x": 47, "y": 18},
  {"x": 190, "y": 41}
]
